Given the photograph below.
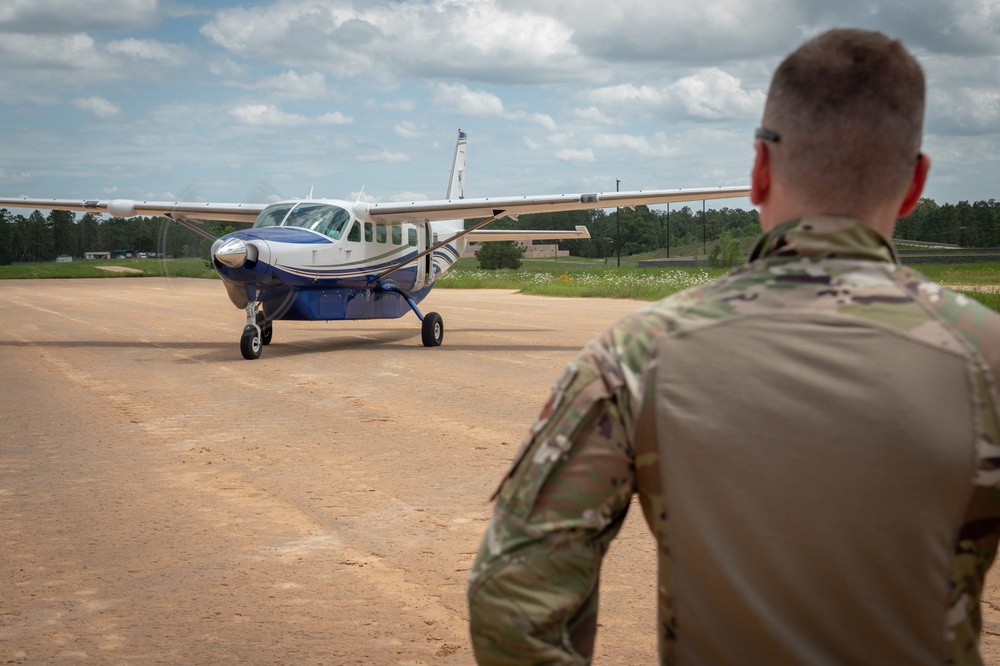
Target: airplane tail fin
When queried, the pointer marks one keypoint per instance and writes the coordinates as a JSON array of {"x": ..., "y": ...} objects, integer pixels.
[{"x": 456, "y": 185}]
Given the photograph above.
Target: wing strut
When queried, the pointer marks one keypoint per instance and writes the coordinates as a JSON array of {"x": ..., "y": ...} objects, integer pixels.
[{"x": 187, "y": 224}]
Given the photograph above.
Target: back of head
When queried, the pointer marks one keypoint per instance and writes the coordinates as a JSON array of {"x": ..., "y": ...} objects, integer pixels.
[{"x": 848, "y": 107}]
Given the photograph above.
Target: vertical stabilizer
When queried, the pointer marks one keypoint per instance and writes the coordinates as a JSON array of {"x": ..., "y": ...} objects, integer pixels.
[{"x": 456, "y": 184}]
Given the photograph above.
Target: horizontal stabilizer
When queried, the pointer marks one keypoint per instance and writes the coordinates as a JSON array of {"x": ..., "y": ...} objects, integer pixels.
[{"x": 527, "y": 235}]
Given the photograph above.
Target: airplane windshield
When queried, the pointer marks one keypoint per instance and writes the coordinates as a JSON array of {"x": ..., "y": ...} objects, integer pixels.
[{"x": 324, "y": 218}]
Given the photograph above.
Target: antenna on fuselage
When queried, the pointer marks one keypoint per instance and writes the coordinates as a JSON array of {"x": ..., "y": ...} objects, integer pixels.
[
  {"x": 360, "y": 194},
  {"x": 309, "y": 198}
]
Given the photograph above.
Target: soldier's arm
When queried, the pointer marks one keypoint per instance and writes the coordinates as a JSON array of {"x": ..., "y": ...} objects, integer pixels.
[{"x": 533, "y": 590}]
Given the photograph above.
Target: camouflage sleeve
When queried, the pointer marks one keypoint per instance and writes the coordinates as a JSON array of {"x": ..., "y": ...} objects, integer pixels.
[{"x": 533, "y": 587}]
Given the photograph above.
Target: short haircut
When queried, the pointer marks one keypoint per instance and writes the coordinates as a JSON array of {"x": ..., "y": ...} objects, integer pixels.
[{"x": 848, "y": 107}]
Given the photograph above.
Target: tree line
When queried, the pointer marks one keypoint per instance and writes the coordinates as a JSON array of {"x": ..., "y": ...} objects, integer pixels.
[
  {"x": 644, "y": 229},
  {"x": 38, "y": 237}
]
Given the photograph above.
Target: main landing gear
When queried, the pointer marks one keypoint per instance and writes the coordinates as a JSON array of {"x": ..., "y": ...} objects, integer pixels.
[
  {"x": 432, "y": 330},
  {"x": 431, "y": 327},
  {"x": 258, "y": 329}
]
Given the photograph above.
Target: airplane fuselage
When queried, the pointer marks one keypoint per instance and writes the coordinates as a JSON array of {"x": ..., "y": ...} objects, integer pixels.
[{"x": 318, "y": 260}]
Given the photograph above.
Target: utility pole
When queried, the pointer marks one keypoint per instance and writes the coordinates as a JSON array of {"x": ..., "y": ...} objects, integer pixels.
[
  {"x": 704, "y": 241},
  {"x": 618, "y": 223},
  {"x": 668, "y": 230}
]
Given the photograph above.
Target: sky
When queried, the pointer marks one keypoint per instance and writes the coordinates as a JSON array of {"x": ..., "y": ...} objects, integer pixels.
[{"x": 254, "y": 102}]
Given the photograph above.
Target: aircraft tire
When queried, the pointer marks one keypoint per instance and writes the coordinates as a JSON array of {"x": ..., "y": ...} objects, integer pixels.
[
  {"x": 250, "y": 344},
  {"x": 432, "y": 330}
]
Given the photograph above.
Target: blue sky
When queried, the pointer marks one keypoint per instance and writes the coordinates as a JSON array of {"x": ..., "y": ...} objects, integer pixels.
[{"x": 228, "y": 102}]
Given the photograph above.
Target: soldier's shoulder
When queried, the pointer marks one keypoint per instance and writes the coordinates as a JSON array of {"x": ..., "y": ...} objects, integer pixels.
[{"x": 976, "y": 323}]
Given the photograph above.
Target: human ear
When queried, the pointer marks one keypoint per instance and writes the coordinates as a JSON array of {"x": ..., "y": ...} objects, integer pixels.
[
  {"x": 760, "y": 174},
  {"x": 916, "y": 188}
]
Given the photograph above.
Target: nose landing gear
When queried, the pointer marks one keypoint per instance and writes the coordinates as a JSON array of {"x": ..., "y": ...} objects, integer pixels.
[{"x": 256, "y": 333}]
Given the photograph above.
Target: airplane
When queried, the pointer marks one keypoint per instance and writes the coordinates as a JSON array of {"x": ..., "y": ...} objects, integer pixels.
[{"x": 330, "y": 259}]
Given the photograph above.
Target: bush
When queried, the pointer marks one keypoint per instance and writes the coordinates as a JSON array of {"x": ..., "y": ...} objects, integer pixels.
[
  {"x": 495, "y": 255},
  {"x": 726, "y": 253}
]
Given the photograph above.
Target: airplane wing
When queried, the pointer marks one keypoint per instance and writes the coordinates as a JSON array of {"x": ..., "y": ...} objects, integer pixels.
[
  {"x": 391, "y": 213},
  {"x": 453, "y": 209},
  {"x": 181, "y": 210}
]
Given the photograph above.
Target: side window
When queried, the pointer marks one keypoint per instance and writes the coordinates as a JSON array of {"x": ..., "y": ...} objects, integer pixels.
[
  {"x": 411, "y": 237},
  {"x": 369, "y": 232},
  {"x": 397, "y": 235},
  {"x": 355, "y": 233},
  {"x": 435, "y": 241},
  {"x": 380, "y": 233}
]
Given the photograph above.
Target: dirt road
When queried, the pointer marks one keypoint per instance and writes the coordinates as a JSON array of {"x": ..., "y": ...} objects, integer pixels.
[{"x": 163, "y": 500}]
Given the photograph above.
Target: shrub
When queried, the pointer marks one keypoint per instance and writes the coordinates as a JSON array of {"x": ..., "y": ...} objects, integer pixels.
[{"x": 495, "y": 255}]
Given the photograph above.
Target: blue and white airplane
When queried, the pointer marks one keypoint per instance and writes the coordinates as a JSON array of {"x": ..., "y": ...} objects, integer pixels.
[{"x": 327, "y": 259}]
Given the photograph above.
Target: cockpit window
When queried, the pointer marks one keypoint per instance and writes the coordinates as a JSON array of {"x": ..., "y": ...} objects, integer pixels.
[{"x": 324, "y": 218}]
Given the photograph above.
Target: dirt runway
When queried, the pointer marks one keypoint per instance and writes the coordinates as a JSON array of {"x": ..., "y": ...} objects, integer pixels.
[{"x": 164, "y": 501}]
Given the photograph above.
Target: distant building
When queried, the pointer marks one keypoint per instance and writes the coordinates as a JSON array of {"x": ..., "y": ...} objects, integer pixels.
[
  {"x": 541, "y": 250},
  {"x": 96, "y": 255},
  {"x": 64, "y": 259}
]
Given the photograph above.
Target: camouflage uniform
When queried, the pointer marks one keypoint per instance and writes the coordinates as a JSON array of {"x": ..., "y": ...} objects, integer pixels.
[{"x": 815, "y": 442}]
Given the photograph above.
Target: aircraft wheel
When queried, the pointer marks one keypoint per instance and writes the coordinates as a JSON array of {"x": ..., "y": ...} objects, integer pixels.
[
  {"x": 250, "y": 345},
  {"x": 432, "y": 330}
]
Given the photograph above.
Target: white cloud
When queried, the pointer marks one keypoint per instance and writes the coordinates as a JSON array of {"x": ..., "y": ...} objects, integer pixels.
[
  {"x": 639, "y": 145},
  {"x": 542, "y": 119},
  {"x": 709, "y": 94},
  {"x": 146, "y": 49},
  {"x": 964, "y": 111},
  {"x": 477, "y": 39},
  {"x": 462, "y": 101},
  {"x": 71, "y": 15},
  {"x": 270, "y": 115},
  {"x": 335, "y": 118},
  {"x": 595, "y": 115},
  {"x": 388, "y": 156},
  {"x": 65, "y": 52},
  {"x": 408, "y": 196},
  {"x": 292, "y": 85},
  {"x": 97, "y": 106},
  {"x": 585, "y": 155},
  {"x": 15, "y": 178},
  {"x": 401, "y": 105},
  {"x": 407, "y": 130},
  {"x": 401, "y": 196},
  {"x": 713, "y": 94}
]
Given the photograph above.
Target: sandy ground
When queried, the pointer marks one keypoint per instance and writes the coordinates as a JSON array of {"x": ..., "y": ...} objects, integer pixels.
[{"x": 164, "y": 501}]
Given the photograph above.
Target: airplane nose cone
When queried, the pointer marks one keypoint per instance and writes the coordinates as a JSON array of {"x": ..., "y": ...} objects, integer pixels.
[{"x": 232, "y": 253}]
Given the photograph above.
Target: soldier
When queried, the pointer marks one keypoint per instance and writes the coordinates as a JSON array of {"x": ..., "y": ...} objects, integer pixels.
[{"x": 814, "y": 438}]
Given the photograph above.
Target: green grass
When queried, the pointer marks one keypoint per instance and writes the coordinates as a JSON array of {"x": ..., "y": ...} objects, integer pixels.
[
  {"x": 645, "y": 284},
  {"x": 565, "y": 276},
  {"x": 990, "y": 300},
  {"x": 574, "y": 276},
  {"x": 959, "y": 274},
  {"x": 197, "y": 268}
]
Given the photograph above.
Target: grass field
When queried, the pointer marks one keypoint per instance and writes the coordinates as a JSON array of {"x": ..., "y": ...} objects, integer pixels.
[
  {"x": 589, "y": 278},
  {"x": 566, "y": 276}
]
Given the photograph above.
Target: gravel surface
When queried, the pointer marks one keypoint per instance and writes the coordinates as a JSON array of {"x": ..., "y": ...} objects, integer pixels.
[{"x": 164, "y": 501}]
